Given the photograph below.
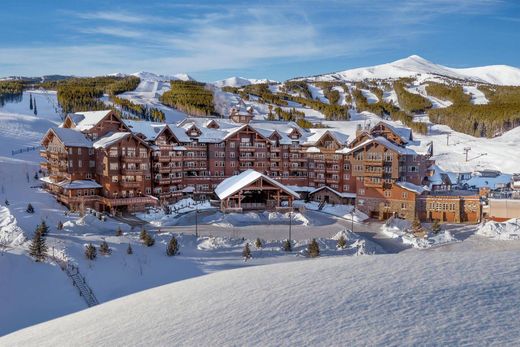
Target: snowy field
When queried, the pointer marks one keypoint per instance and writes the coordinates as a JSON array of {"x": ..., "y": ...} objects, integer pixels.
[{"x": 408, "y": 299}]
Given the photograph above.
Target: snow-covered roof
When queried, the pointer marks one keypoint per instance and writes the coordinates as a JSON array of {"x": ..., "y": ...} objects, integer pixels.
[
  {"x": 316, "y": 134},
  {"x": 71, "y": 138},
  {"x": 343, "y": 195},
  {"x": 382, "y": 141},
  {"x": 149, "y": 129},
  {"x": 479, "y": 181},
  {"x": 404, "y": 133},
  {"x": 411, "y": 187},
  {"x": 313, "y": 150},
  {"x": 77, "y": 184},
  {"x": 110, "y": 139},
  {"x": 232, "y": 184},
  {"x": 88, "y": 119}
]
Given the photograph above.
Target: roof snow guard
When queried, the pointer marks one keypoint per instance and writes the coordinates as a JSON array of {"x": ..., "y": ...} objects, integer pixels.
[{"x": 233, "y": 184}]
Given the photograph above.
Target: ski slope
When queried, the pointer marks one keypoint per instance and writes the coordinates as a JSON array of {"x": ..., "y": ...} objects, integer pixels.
[{"x": 412, "y": 299}]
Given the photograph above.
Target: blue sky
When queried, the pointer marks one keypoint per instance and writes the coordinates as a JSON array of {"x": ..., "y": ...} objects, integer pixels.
[{"x": 211, "y": 40}]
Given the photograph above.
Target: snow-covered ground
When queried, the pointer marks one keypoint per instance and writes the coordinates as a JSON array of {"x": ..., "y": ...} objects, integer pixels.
[
  {"x": 344, "y": 211},
  {"x": 401, "y": 229},
  {"x": 371, "y": 97},
  {"x": 508, "y": 230},
  {"x": 412, "y": 299},
  {"x": 477, "y": 96}
]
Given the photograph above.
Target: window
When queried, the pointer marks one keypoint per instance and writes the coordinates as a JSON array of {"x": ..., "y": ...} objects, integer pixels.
[
  {"x": 70, "y": 150},
  {"x": 115, "y": 179},
  {"x": 346, "y": 176},
  {"x": 388, "y": 193},
  {"x": 361, "y": 191},
  {"x": 346, "y": 187},
  {"x": 404, "y": 205},
  {"x": 148, "y": 190},
  {"x": 70, "y": 163},
  {"x": 80, "y": 163},
  {"x": 113, "y": 152},
  {"x": 79, "y": 150},
  {"x": 412, "y": 169},
  {"x": 92, "y": 163},
  {"x": 114, "y": 166},
  {"x": 405, "y": 195}
]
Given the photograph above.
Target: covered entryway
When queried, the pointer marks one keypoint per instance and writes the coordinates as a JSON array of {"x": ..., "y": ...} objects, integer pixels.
[{"x": 252, "y": 190}]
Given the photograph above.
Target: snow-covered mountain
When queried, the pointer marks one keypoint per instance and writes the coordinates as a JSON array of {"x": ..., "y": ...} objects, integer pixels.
[
  {"x": 150, "y": 76},
  {"x": 415, "y": 66},
  {"x": 240, "y": 82}
]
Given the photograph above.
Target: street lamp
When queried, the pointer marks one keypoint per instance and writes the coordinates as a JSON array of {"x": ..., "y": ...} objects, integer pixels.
[
  {"x": 290, "y": 225},
  {"x": 352, "y": 220},
  {"x": 196, "y": 221}
]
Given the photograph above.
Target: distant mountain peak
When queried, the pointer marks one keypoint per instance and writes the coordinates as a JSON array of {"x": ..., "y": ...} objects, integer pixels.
[{"x": 155, "y": 77}]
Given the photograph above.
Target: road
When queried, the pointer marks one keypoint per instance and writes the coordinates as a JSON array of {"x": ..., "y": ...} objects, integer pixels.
[{"x": 323, "y": 225}]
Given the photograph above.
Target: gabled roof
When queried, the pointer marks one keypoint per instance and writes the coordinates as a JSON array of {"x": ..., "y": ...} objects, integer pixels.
[
  {"x": 150, "y": 130},
  {"x": 111, "y": 138},
  {"x": 411, "y": 187},
  {"x": 88, "y": 119},
  {"x": 70, "y": 137},
  {"x": 382, "y": 141},
  {"x": 343, "y": 195},
  {"x": 404, "y": 133},
  {"x": 233, "y": 184},
  {"x": 318, "y": 134}
]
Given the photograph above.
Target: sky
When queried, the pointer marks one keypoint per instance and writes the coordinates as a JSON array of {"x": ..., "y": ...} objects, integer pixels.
[{"x": 212, "y": 40}]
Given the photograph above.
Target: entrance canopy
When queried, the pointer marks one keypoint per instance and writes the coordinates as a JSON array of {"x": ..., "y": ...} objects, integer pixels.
[{"x": 253, "y": 190}]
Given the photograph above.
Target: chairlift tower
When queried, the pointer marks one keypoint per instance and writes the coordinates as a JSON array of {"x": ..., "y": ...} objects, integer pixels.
[{"x": 466, "y": 151}]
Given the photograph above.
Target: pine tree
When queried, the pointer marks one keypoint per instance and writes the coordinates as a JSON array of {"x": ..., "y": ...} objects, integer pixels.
[
  {"x": 173, "y": 247},
  {"x": 313, "y": 249},
  {"x": 246, "y": 252},
  {"x": 287, "y": 246},
  {"x": 148, "y": 240},
  {"x": 38, "y": 247},
  {"x": 90, "y": 252},
  {"x": 436, "y": 226},
  {"x": 104, "y": 249},
  {"x": 60, "y": 225},
  {"x": 342, "y": 242},
  {"x": 30, "y": 208},
  {"x": 35, "y": 110},
  {"x": 416, "y": 226},
  {"x": 6, "y": 202},
  {"x": 129, "y": 250},
  {"x": 43, "y": 228},
  {"x": 143, "y": 234},
  {"x": 36, "y": 176},
  {"x": 30, "y": 102},
  {"x": 258, "y": 243},
  {"x": 119, "y": 232}
]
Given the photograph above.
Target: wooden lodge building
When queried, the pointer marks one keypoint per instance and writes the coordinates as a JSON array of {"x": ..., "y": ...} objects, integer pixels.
[{"x": 95, "y": 159}]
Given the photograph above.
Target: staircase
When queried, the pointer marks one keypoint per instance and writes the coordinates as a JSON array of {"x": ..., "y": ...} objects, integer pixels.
[
  {"x": 322, "y": 205},
  {"x": 79, "y": 282}
]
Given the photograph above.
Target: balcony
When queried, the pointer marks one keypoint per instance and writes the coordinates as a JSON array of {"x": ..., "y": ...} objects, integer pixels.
[
  {"x": 162, "y": 159},
  {"x": 251, "y": 158},
  {"x": 374, "y": 162},
  {"x": 276, "y": 158},
  {"x": 129, "y": 201},
  {"x": 44, "y": 154},
  {"x": 45, "y": 165},
  {"x": 371, "y": 184},
  {"x": 128, "y": 159},
  {"x": 57, "y": 155},
  {"x": 130, "y": 184},
  {"x": 132, "y": 172},
  {"x": 247, "y": 148},
  {"x": 162, "y": 180},
  {"x": 294, "y": 149},
  {"x": 367, "y": 173},
  {"x": 164, "y": 169},
  {"x": 298, "y": 159},
  {"x": 275, "y": 149}
]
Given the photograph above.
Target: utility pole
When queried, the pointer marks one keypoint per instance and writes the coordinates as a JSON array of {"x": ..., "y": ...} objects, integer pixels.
[
  {"x": 352, "y": 219},
  {"x": 447, "y": 139},
  {"x": 466, "y": 150},
  {"x": 196, "y": 221},
  {"x": 290, "y": 225}
]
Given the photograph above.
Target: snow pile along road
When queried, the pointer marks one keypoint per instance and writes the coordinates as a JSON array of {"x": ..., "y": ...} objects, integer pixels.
[
  {"x": 508, "y": 230},
  {"x": 409, "y": 302},
  {"x": 401, "y": 229}
]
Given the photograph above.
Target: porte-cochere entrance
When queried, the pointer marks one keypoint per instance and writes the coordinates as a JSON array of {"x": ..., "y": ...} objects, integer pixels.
[{"x": 252, "y": 190}]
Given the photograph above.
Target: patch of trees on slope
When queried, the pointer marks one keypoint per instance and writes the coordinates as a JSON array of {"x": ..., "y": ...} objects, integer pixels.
[
  {"x": 501, "y": 114},
  {"x": 190, "y": 97},
  {"x": 82, "y": 94}
]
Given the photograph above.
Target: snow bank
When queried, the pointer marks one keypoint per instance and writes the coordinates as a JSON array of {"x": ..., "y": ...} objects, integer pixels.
[
  {"x": 10, "y": 234},
  {"x": 392, "y": 300},
  {"x": 158, "y": 216},
  {"x": 401, "y": 229},
  {"x": 508, "y": 230}
]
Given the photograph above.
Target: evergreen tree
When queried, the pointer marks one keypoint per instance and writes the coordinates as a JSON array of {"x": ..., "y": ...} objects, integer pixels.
[
  {"x": 60, "y": 225},
  {"x": 90, "y": 252},
  {"x": 342, "y": 242},
  {"x": 119, "y": 232},
  {"x": 313, "y": 249},
  {"x": 246, "y": 252},
  {"x": 143, "y": 234},
  {"x": 148, "y": 240},
  {"x": 129, "y": 250},
  {"x": 173, "y": 247},
  {"x": 30, "y": 208},
  {"x": 417, "y": 226},
  {"x": 36, "y": 176},
  {"x": 30, "y": 102},
  {"x": 287, "y": 246},
  {"x": 436, "y": 226},
  {"x": 35, "y": 109},
  {"x": 258, "y": 243},
  {"x": 38, "y": 247},
  {"x": 43, "y": 228},
  {"x": 104, "y": 249},
  {"x": 6, "y": 202}
]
